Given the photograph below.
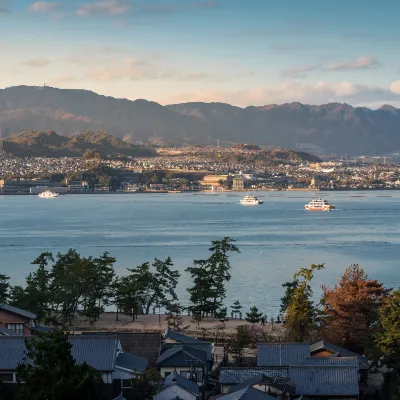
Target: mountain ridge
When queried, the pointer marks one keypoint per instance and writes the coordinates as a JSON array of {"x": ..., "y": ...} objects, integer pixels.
[{"x": 333, "y": 127}]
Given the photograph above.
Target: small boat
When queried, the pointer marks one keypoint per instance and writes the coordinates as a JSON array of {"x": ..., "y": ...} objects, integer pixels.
[
  {"x": 319, "y": 205},
  {"x": 251, "y": 201},
  {"x": 48, "y": 195}
]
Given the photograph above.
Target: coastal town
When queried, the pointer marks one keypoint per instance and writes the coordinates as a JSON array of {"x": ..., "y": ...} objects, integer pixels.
[{"x": 195, "y": 168}]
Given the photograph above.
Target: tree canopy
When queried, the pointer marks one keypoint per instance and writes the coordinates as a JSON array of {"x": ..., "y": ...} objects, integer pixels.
[
  {"x": 351, "y": 310},
  {"x": 50, "y": 372}
]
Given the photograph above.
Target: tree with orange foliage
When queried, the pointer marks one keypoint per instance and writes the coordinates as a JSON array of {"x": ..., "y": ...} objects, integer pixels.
[{"x": 351, "y": 310}]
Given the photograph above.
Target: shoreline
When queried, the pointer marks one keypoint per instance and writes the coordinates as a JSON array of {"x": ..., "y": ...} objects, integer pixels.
[{"x": 215, "y": 192}]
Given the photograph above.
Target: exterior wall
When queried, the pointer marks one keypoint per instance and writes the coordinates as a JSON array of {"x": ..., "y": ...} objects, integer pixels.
[
  {"x": 9, "y": 318},
  {"x": 173, "y": 391},
  {"x": 163, "y": 370}
]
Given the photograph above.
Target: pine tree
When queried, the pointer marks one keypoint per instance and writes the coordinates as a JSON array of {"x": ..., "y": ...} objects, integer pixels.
[
  {"x": 351, "y": 310},
  {"x": 209, "y": 278},
  {"x": 236, "y": 309},
  {"x": 4, "y": 287},
  {"x": 388, "y": 340},
  {"x": 222, "y": 315},
  {"x": 174, "y": 317},
  {"x": 301, "y": 313},
  {"x": 241, "y": 340},
  {"x": 253, "y": 316}
]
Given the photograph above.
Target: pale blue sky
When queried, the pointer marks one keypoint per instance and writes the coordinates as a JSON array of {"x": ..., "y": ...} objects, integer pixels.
[{"x": 240, "y": 51}]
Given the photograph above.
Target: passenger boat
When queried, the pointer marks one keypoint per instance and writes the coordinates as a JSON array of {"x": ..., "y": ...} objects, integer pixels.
[
  {"x": 48, "y": 195},
  {"x": 251, "y": 201},
  {"x": 319, "y": 205}
]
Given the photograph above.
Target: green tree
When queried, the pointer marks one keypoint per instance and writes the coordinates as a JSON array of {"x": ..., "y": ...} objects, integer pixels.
[
  {"x": 156, "y": 284},
  {"x": 253, "y": 316},
  {"x": 126, "y": 298},
  {"x": 289, "y": 290},
  {"x": 145, "y": 385},
  {"x": 236, "y": 309},
  {"x": 240, "y": 341},
  {"x": 174, "y": 317},
  {"x": 37, "y": 296},
  {"x": 388, "y": 340},
  {"x": 4, "y": 288},
  {"x": 50, "y": 372},
  {"x": 17, "y": 297},
  {"x": 222, "y": 315},
  {"x": 301, "y": 313},
  {"x": 209, "y": 278}
]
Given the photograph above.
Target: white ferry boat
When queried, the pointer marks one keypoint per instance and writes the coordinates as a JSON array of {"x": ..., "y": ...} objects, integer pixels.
[
  {"x": 319, "y": 205},
  {"x": 251, "y": 201},
  {"x": 48, "y": 195}
]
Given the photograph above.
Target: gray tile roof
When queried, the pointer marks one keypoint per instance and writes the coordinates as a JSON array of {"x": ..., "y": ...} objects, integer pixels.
[
  {"x": 325, "y": 381},
  {"x": 183, "y": 382},
  {"x": 248, "y": 393},
  {"x": 40, "y": 328},
  {"x": 279, "y": 383},
  {"x": 203, "y": 346},
  {"x": 339, "y": 352},
  {"x": 282, "y": 354},
  {"x": 332, "y": 361},
  {"x": 98, "y": 352},
  {"x": 142, "y": 344},
  {"x": 180, "y": 337},
  {"x": 232, "y": 376},
  {"x": 181, "y": 356},
  {"x": 18, "y": 311},
  {"x": 7, "y": 332},
  {"x": 131, "y": 362}
]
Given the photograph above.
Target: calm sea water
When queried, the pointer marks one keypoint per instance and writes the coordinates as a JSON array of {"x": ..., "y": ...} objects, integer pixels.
[{"x": 275, "y": 239}]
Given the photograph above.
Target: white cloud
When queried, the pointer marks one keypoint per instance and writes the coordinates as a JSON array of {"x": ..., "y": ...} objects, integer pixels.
[
  {"x": 103, "y": 7},
  {"x": 366, "y": 62},
  {"x": 395, "y": 87},
  {"x": 37, "y": 62},
  {"x": 43, "y": 7},
  {"x": 298, "y": 72},
  {"x": 318, "y": 93}
]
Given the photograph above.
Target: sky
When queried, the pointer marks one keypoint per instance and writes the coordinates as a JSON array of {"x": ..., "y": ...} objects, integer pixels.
[{"x": 243, "y": 52}]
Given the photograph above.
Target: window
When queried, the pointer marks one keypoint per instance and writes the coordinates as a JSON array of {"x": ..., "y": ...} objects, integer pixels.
[
  {"x": 199, "y": 376},
  {"x": 17, "y": 328},
  {"x": 126, "y": 383},
  {"x": 6, "y": 377},
  {"x": 185, "y": 374}
]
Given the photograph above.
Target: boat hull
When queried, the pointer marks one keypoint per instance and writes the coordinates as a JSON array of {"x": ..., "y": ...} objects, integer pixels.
[{"x": 327, "y": 208}]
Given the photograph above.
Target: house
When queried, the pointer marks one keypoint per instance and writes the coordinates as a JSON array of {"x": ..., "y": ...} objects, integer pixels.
[
  {"x": 231, "y": 377},
  {"x": 103, "y": 353},
  {"x": 287, "y": 369},
  {"x": 177, "y": 386},
  {"x": 186, "y": 361},
  {"x": 282, "y": 354},
  {"x": 327, "y": 378},
  {"x": 326, "y": 349},
  {"x": 14, "y": 319},
  {"x": 142, "y": 344},
  {"x": 190, "y": 357},
  {"x": 247, "y": 393}
]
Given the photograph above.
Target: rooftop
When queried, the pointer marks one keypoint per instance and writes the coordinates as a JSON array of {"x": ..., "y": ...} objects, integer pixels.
[
  {"x": 282, "y": 354},
  {"x": 17, "y": 311}
]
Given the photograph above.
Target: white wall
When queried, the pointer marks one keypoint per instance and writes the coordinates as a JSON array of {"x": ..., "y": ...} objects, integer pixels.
[{"x": 173, "y": 391}]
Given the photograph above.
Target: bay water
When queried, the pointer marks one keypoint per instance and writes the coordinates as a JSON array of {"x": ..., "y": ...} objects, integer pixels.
[{"x": 275, "y": 239}]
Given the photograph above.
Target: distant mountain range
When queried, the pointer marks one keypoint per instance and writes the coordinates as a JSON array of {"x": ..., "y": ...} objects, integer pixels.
[
  {"x": 335, "y": 128},
  {"x": 50, "y": 144}
]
